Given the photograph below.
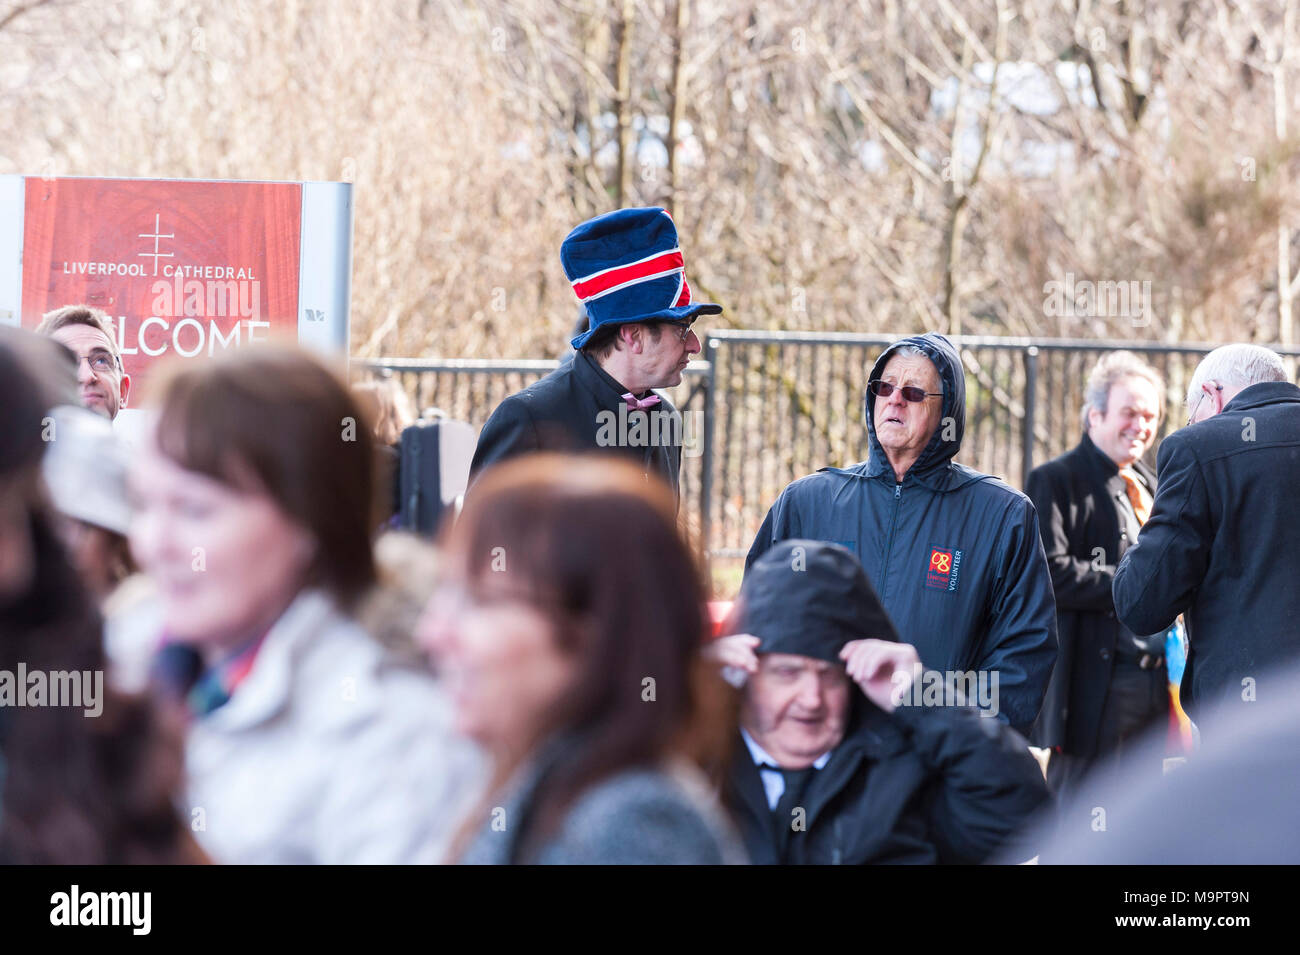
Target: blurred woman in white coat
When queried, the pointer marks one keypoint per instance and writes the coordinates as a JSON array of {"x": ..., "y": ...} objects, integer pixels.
[{"x": 308, "y": 742}]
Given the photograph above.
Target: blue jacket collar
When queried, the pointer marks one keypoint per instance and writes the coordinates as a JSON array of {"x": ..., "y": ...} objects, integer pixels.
[{"x": 942, "y": 478}]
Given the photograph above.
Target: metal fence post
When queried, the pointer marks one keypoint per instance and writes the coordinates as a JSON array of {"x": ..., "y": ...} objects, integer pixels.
[
  {"x": 1031, "y": 399},
  {"x": 706, "y": 457}
]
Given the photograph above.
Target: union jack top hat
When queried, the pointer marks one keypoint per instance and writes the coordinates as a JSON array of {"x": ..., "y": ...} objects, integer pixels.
[{"x": 625, "y": 266}]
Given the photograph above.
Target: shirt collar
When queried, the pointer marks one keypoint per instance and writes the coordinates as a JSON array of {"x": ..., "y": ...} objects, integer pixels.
[
  {"x": 1102, "y": 459},
  {"x": 761, "y": 756},
  {"x": 601, "y": 381}
]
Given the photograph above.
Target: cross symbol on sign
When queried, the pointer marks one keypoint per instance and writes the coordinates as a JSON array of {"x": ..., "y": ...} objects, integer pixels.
[{"x": 156, "y": 235}]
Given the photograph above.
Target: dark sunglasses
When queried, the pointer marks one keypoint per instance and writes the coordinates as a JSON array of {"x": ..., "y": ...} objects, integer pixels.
[{"x": 883, "y": 389}]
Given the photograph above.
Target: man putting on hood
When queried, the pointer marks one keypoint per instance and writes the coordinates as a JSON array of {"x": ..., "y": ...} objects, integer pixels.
[
  {"x": 835, "y": 761},
  {"x": 954, "y": 555}
]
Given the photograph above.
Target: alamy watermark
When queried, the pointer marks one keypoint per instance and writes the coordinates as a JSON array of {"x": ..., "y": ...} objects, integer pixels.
[
  {"x": 75, "y": 907},
  {"x": 1084, "y": 298},
  {"x": 75, "y": 688},
  {"x": 651, "y": 428},
  {"x": 922, "y": 687}
]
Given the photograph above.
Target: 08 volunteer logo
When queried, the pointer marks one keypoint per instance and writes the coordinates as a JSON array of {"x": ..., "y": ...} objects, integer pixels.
[{"x": 944, "y": 569}]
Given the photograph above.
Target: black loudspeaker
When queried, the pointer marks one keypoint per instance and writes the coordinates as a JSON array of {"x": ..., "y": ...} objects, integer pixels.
[{"x": 433, "y": 471}]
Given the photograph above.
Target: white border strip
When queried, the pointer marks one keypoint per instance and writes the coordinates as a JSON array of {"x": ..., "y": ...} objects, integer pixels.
[
  {"x": 13, "y": 191},
  {"x": 325, "y": 267}
]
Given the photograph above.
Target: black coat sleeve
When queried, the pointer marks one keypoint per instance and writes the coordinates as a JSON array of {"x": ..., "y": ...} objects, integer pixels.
[
  {"x": 510, "y": 431},
  {"x": 1020, "y": 645},
  {"x": 987, "y": 784},
  {"x": 1155, "y": 580},
  {"x": 1079, "y": 584}
]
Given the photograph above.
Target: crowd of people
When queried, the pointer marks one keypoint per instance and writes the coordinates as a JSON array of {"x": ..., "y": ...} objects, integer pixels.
[{"x": 923, "y": 664}]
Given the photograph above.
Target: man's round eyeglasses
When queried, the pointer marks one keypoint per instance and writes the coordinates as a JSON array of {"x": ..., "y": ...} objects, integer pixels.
[
  {"x": 101, "y": 363},
  {"x": 883, "y": 389}
]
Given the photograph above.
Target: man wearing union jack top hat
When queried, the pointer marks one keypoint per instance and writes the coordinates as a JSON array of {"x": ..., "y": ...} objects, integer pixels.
[{"x": 627, "y": 270}]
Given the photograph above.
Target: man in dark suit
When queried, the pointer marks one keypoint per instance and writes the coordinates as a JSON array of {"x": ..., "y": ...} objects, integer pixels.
[
  {"x": 1218, "y": 547},
  {"x": 627, "y": 270},
  {"x": 1110, "y": 683}
]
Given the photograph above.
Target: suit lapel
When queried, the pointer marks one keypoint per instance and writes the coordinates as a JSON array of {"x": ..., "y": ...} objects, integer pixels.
[
  {"x": 750, "y": 806},
  {"x": 872, "y": 737}
]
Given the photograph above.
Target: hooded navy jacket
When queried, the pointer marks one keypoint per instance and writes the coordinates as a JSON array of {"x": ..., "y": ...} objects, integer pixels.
[{"x": 955, "y": 555}]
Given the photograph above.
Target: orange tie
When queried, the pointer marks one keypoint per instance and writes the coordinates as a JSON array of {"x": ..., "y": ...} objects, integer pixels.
[{"x": 1138, "y": 496}]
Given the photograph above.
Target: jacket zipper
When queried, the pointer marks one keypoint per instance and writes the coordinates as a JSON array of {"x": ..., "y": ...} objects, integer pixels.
[{"x": 889, "y": 547}]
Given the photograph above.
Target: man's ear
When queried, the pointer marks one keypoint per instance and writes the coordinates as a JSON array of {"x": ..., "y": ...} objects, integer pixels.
[
  {"x": 631, "y": 333},
  {"x": 125, "y": 390}
]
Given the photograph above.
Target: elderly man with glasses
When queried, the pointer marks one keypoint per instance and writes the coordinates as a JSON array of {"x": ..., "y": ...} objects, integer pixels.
[
  {"x": 955, "y": 555},
  {"x": 1217, "y": 545},
  {"x": 626, "y": 269}
]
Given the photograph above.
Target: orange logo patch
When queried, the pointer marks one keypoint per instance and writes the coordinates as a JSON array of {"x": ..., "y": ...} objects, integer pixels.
[{"x": 945, "y": 565}]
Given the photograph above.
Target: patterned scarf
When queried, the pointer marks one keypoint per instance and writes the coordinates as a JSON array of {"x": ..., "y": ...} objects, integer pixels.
[{"x": 179, "y": 668}]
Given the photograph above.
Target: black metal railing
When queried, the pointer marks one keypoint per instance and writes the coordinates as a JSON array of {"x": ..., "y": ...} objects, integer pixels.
[{"x": 764, "y": 408}]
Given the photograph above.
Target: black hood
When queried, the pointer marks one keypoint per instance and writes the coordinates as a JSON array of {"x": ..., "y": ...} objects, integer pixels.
[
  {"x": 809, "y": 598},
  {"x": 939, "y": 452}
]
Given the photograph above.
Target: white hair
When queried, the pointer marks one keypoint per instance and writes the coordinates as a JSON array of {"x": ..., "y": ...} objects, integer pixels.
[
  {"x": 916, "y": 351},
  {"x": 1236, "y": 366}
]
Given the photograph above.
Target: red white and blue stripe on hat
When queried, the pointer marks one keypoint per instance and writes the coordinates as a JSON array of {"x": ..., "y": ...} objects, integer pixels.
[{"x": 626, "y": 266}]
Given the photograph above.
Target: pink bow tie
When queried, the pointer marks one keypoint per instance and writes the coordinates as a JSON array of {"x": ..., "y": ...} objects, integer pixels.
[{"x": 640, "y": 404}]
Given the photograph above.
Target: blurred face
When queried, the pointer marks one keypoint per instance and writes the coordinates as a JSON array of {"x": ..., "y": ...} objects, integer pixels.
[
  {"x": 663, "y": 361},
  {"x": 226, "y": 562},
  {"x": 500, "y": 662},
  {"x": 904, "y": 427},
  {"x": 1128, "y": 428},
  {"x": 796, "y": 707},
  {"x": 102, "y": 385}
]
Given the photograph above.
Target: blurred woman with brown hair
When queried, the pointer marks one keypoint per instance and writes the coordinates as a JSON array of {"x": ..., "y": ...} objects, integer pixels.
[
  {"x": 308, "y": 741},
  {"x": 568, "y": 630},
  {"x": 84, "y": 784}
]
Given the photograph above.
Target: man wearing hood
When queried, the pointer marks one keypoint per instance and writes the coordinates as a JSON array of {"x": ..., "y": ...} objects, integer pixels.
[
  {"x": 836, "y": 761},
  {"x": 955, "y": 555}
]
